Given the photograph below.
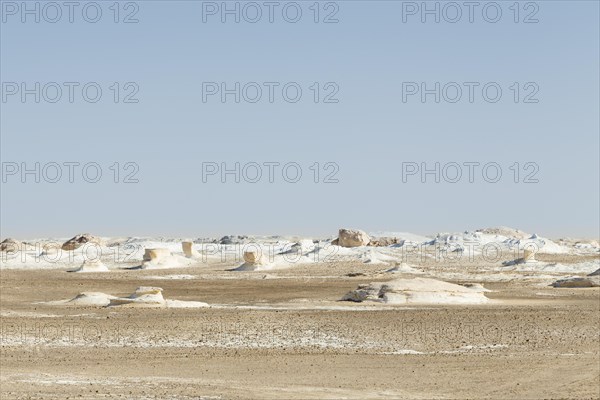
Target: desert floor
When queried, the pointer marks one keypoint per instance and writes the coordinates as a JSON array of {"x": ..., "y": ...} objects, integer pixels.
[{"x": 285, "y": 334}]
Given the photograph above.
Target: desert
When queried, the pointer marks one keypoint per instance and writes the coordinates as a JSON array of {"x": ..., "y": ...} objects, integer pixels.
[{"x": 401, "y": 316}]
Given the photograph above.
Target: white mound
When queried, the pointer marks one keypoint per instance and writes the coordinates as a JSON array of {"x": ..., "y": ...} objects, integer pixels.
[
  {"x": 162, "y": 258},
  {"x": 538, "y": 244},
  {"x": 91, "y": 266},
  {"x": 143, "y": 296},
  {"x": 90, "y": 299},
  {"x": 418, "y": 291}
]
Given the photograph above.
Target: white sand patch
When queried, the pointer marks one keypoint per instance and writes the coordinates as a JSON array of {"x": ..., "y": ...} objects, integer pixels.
[{"x": 417, "y": 291}]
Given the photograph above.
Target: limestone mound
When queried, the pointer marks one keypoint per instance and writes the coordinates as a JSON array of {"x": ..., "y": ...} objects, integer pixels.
[
  {"x": 417, "y": 291},
  {"x": 91, "y": 266},
  {"x": 91, "y": 299},
  {"x": 143, "y": 295}
]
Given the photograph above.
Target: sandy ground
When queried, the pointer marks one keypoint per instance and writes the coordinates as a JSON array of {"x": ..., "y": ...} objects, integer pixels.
[{"x": 284, "y": 334}]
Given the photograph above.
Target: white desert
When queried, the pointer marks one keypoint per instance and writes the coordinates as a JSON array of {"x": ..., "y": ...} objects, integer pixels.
[{"x": 493, "y": 313}]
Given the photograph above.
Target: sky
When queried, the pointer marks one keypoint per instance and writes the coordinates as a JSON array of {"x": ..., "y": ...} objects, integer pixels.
[{"x": 192, "y": 118}]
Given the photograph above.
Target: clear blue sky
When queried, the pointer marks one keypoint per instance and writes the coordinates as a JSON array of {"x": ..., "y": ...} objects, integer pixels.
[{"x": 369, "y": 133}]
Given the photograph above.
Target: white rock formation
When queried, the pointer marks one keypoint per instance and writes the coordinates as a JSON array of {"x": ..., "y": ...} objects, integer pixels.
[
  {"x": 89, "y": 299},
  {"x": 91, "y": 266},
  {"x": 157, "y": 254},
  {"x": 187, "y": 249},
  {"x": 158, "y": 258},
  {"x": 143, "y": 295},
  {"x": 352, "y": 238},
  {"x": 254, "y": 260},
  {"x": 418, "y": 291},
  {"x": 9, "y": 245},
  {"x": 79, "y": 240},
  {"x": 528, "y": 257}
]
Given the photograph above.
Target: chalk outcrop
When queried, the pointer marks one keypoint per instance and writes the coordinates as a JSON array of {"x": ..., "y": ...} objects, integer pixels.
[
  {"x": 79, "y": 240},
  {"x": 91, "y": 266},
  {"x": 352, "y": 238},
  {"x": 143, "y": 295},
  {"x": 187, "y": 248},
  {"x": 254, "y": 260},
  {"x": 528, "y": 258},
  {"x": 418, "y": 291},
  {"x": 10, "y": 245}
]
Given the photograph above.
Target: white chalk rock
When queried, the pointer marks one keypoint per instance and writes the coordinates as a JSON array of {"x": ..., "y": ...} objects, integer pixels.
[
  {"x": 96, "y": 299},
  {"x": 253, "y": 257},
  {"x": 528, "y": 255},
  {"x": 143, "y": 295},
  {"x": 254, "y": 260},
  {"x": 187, "y": 249},
  {"x": 157, "y": 254},
  {"x": 91, "y": 266},
  {"x": 418, "y": 291},
  {"x": 160, "y": 258},
  {"x": 352, "y": 238}
]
